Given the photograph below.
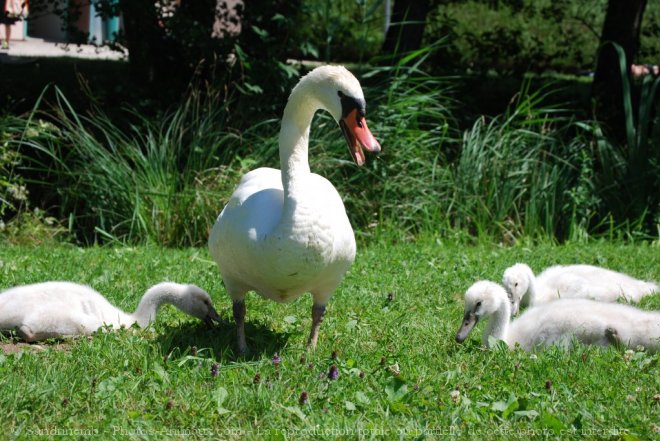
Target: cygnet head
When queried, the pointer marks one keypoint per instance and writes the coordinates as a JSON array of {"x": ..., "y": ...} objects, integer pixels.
[
  {"x": 196, "y": 302},
  {"x": 482, "y": 299},
  {"x": 516, "y": 280},
  {"x": 339, "y": 92}
]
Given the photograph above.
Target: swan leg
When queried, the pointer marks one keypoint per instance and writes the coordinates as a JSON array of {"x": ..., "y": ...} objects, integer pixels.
[
  {"x": 318, "y": 311},
  {"x": 239, "y": 318}
]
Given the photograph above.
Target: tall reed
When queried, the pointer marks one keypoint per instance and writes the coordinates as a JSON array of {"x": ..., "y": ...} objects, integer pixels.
[
  {"x": 532, "y": 171},
  {"x": 629, "y": 181},
  {"x": 155, "y": 181},
  {"x": 523, "y": 173}
]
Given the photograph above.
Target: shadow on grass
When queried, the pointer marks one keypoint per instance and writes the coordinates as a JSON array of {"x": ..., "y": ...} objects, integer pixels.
[{"x": 221, "y": 340}]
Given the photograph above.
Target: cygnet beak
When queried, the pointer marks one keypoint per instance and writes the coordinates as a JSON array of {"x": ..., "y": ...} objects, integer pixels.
[
  {"x": 469, "y": 320},
  {"x": 211, "y": 317}
]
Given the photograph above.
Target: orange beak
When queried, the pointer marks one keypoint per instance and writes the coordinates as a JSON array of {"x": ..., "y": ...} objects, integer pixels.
[{"x": 358, "y": 136}]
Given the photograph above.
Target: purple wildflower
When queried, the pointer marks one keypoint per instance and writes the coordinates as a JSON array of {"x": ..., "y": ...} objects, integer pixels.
[
  {"x": 303, "y": 398},
  {"x": 214, "y": 369},
  {"x": 276, "y": 359},
  {"x": 333, "y": 373}
]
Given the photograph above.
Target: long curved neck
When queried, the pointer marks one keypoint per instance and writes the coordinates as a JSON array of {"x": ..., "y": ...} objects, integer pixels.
[
  {"x": 163, "y": 293},
  {"x": 294, "y": 136},
  {"x": 498, "y": 325}
]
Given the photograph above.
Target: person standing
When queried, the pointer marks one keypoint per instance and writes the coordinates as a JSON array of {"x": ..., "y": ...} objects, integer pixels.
[{"x": 11, "y": 12}]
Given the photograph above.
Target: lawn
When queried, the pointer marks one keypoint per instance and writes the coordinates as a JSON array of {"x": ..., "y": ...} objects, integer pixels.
[{"x": 389, "y": 331}]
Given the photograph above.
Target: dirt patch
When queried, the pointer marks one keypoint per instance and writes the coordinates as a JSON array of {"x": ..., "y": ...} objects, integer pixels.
[{"x": 12, "y": 348}]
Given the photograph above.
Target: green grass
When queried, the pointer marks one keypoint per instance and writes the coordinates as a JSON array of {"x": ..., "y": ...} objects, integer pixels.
[{"x": 148, "y": 384}]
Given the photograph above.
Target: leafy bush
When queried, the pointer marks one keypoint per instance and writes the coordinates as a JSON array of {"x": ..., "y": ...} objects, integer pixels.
[
  {"x": 341, "y": 30},
  {"x": 522, "y": 35},
  {"x": 19, "y": 222},
  {"x": 12, "y": 188}
]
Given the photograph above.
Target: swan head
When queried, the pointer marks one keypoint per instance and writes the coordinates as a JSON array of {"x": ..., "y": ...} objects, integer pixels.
[
  {"x": 482, "y": 299},
  {"x": 197, "y": 302},
  {"x": 516, "y": 280},
  {"x": 340, "y": 93}
]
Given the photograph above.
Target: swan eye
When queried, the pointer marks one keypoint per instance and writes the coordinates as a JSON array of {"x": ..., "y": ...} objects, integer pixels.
[
  {"x": 478, "y": 305},
  {"x": 515, "y": 284},
  {"x": 349, "y": 103}
]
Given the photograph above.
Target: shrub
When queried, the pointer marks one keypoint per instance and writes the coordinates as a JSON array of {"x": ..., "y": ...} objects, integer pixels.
[
  {"x": 13, "y": 192},
  {"x": 536, "y": 35}
]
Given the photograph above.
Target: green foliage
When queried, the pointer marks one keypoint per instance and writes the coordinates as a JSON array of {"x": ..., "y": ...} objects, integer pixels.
[
  {"x": 261, "y": 72},
  {"x": 630, "y": 175},
  {"x": 12, "y": 189},
  {"x": 155, "y": 182},
  {"x": 524, "y": 174},
  {"x": 341, "y": 30},
  {"x": 19, "y": 223},
  {"x": 530, "y": 172},
  {"x": 528, "y": 35},
  {"x": 409, "y": 112},
  {"x": 416, "y": 381}
]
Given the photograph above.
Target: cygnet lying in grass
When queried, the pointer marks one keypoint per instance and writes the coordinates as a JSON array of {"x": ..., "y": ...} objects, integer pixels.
[
  {"x": 588, "y": 321},
  {"x": 572, "y": 281},
  {"x": 62, "y": 309}
]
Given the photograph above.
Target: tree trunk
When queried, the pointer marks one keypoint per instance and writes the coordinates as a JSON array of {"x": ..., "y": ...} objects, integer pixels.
[
  {"x": 407, "y": 27},
  {"x": 622, "y": 25}
]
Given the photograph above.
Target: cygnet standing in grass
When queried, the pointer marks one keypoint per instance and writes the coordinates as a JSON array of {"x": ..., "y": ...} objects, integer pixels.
[
  {"x": 572, "y": 281},
  {"x": 64, "y": 309},
  {"x": 588, "y": 321}
]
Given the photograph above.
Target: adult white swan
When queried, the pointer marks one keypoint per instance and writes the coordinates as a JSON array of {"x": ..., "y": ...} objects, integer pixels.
[
  {"x": 284, "y": 233},
  {"x": 64, "y": 309},
  {"x": 588, "y": 321}
]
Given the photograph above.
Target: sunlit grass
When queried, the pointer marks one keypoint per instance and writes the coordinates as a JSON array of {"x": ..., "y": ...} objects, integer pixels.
[{"x": 400, "y": 371}]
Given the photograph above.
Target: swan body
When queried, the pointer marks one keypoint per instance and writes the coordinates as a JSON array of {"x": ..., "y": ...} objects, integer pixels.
[
  {"x": 588, "y": 321},
  {"x": 63, "y": 309},
  {"x": 572, "y": 281},
  {"x": 285, "y": 232}
]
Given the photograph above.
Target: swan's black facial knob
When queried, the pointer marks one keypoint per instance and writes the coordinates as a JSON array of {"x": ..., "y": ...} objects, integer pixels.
[{"x": 349, "y": 103}]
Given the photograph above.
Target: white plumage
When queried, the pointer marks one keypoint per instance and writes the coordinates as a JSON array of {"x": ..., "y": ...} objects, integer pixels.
[
  {"x": 588, "y": 321},
  {"x": 284, "y": 233},
  {"x": 572, "y": 281},
  {"x": 62, "y": 309}
]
